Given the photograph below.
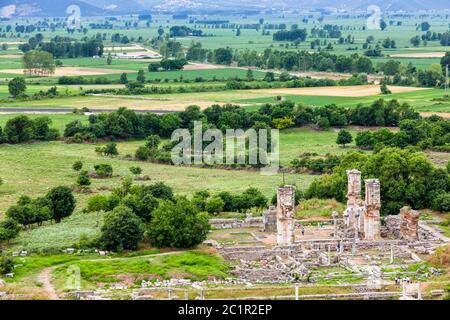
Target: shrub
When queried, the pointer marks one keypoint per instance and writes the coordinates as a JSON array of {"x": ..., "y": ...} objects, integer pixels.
[
  {"x": 122, "y": 230},
  {"x": 215, "y": 205},
  {"x": 136, "y": 170},
  {"x": 6, "y": 265},
  {"x": 83, "y": 179},
  {"x": 77, "y": 166},
  {"x": 97, "y": 203},
  {"x": 9, "y": 229},
  {"x": 103, "y": 170},
  {"x": 142, "y": 153}
]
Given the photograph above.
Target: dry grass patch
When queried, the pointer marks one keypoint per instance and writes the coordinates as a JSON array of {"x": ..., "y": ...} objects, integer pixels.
[
  {"x": 419, "y": 55},
  {"x": 338, "y": 91},
  {"x": 74, "y": 71}
]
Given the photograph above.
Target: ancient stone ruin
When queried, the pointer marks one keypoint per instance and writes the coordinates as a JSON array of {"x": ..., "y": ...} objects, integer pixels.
[
  {"x": 270, "y": 220},
  {"x": 354, "y": 202},
  {"x": 372, "y": 208},
  {"x": 286, "y": 215},
  {"x": 409, "y": 224}
]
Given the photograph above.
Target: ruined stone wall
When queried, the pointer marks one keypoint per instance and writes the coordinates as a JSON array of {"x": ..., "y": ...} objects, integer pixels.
[
  {"x": 286, "y": 215},
  {"x": 251, "y": 222}
]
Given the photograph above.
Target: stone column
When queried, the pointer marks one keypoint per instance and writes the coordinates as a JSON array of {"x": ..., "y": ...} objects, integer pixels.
[
  {"x": 409, "y": 221},
  {"x": 353, "y": 194},
  {"x": 372, "y": 210},
  {"x": 286, "y": 215}
]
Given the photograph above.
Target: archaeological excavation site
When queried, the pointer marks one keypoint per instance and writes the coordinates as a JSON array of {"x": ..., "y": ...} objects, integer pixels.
[{"x": 375, "y": 257}]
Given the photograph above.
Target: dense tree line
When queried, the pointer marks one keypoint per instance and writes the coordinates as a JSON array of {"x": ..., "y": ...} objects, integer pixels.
[
  {"x": 183, "y": 31},
  {"x": 291, "y": 35},
  {"x": 125, "y": 124},
  {"x": 57, "y": 204},
  {"x": 406, "y": 177},
  {"x": 61, "y": 47},
  {"x": 22, "y": 129},
  {"x": 433, "y": 132}
]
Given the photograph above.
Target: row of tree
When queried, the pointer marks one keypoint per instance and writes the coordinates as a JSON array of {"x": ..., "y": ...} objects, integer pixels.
[{"x": 124, "y": 124}]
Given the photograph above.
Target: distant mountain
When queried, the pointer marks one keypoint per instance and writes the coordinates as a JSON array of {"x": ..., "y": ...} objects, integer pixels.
[
  {"x": 26, "y": 8},
  {"x": 108, "y": 7}
]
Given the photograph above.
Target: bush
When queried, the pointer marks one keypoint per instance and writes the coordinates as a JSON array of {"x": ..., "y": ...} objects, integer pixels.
[
  {"x": 441, "y": 202},
  {"x": 9, "y": 229},
  {"x": 103, "y": 170},
  {"x": 83, "y": 179},
  {"x": 97, "y": 203},
  {"x": 110, "y": 149},
  {"x": 122, "y": 230},
  {"x": 215, "y": 205},
  {"x": 6, "y": 265},
  {"x": 136, "y": 170},
  {"x": 142, "y": 153},
  {"x": 177, "y": 225},
  {"x": 77, "y": 166}
]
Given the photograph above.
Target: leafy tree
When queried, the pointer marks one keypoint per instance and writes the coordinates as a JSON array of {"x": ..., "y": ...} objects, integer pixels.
[
  {"x": 17, "y": 87},
  {"x": 384, "y": 89},
  {"x": 250, "y": 76},
  {"x": 177, "y": 225},
  {"x": 269, "y": 76},
  {"x": 38, "y": 63},
  {"x": 111, "y": 149},
  {"x": 415, "y": 41},
  {"x": 109, "y": 59},
  {"x": 344, "y": 137},
  {"x": 161, "y": 191},
  {"x": 122, "y": 230},
  {"x": 141, "y": 76},
  {"x": 77, "y": 166},
  {"x": 425, "y": 26},
  {"x": 124, "y": 78},
  {"x": 154, "y": 67},
  {"x": 383, "y": 25},
  {"x": 83, "y": 179},
  {"x": 445, "y": 60},
  {"x": 9, "y": 229},
  {"x": 18, "y": 129},
  {"x": 62, "y": 202}
]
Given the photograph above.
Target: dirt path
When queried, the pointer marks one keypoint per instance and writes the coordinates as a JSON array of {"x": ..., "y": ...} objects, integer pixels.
[
  {"x": 45, "y": 275},
  {"x": 45, "y": 278}
]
